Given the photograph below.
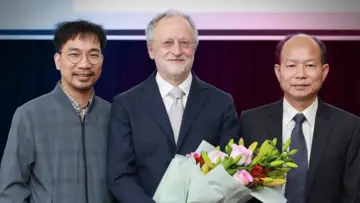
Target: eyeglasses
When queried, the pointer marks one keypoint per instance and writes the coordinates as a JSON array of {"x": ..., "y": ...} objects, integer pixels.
[
  {"x": 75, "y": 57},
  {"x": 183, "y": 44}
]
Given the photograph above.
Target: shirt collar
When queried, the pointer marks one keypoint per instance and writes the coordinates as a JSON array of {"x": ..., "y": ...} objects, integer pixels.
[
  {"x": 290, "y": 112},
  {"x": 165, "y": 87},
  {"x": 75, "y": 103}
]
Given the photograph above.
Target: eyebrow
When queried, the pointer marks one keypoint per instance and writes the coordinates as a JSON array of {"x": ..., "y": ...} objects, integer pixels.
[
  {"x": 74, "y": 49},
  {"x": 292, "y": 60},
  {"x": 77, "y": 49},
  {"x": 181, "y": 38}
]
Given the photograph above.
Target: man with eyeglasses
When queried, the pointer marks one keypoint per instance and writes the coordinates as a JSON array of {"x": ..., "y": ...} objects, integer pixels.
[
  {"x": 56, "y": 147},
  {"x": 169, "y": 113}
]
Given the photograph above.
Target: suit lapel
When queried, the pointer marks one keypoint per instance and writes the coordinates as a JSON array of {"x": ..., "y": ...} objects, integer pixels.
[
  {"x": 320, "y": 138},
  {"x": 274, "y": 125},
  {"x": 151, "y": 98},
  {"x": 195, "y": 102}
]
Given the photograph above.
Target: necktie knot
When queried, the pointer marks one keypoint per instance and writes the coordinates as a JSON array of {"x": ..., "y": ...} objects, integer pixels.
[
  {"x": 299, "y": 118},
  {"x": 176, "y": 93}
]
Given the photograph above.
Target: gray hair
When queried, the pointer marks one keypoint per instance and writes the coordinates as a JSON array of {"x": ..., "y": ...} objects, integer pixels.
[{"x": 169, "y": 13}]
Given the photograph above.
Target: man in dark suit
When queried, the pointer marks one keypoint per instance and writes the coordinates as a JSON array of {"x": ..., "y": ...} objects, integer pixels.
[
  {"x": 327, "y": 138},
  {"x": 169, "y": 113}
]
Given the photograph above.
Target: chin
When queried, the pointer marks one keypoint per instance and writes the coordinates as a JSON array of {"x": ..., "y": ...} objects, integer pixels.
[
  {"x": 301, "y": 97},
  {"x": 83, "y": 86},
  {"x": 177, "y": 72}
]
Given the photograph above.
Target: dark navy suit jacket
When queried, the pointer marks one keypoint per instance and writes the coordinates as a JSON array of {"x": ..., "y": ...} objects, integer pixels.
[
  {"x": 141, "y": 142},
  {"x": 334, "y": 170}
]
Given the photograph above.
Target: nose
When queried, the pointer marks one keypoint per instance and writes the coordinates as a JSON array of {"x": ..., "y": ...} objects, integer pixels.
[
  {"x": 84, "y": 62},
  {"x": 301, "y": 72},
  {"x": 176, "y": 49}
]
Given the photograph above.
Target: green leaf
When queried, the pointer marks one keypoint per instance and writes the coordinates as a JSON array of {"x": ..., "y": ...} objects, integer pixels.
[
  {"x": 231, "y": 171},
  {"x": 242, "y": 168},
  {"x": 227, "y": 162}
]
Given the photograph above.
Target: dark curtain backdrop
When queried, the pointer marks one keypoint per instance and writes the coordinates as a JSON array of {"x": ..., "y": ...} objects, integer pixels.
[{"x": 242, "y": 68}]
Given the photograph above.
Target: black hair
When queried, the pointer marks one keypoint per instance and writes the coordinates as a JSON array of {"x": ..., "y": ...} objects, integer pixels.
[{"x": 81, "y": 28}]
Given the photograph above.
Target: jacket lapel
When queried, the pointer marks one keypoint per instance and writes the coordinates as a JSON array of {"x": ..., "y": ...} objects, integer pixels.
[
  {"x": 151, "y": 98},
  {"x": 274, "y": 125},
  {"x": 195, "y": 102},
  {"x": 320, "y": 138}
]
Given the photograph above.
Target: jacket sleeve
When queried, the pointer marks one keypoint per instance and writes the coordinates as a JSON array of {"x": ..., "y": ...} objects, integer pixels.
[
  {"x": 351, "y": 180},
  {"x": 230, "y": 125},
  {"x": 17, "y": 161},
  {"x": 121, "y": 168}
]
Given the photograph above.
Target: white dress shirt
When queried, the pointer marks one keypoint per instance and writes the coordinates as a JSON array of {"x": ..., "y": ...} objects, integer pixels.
[
  {"x": 165, "y": 88},
  {"x": 308, "y": 125},
  {"x": 288, "y": 123}
]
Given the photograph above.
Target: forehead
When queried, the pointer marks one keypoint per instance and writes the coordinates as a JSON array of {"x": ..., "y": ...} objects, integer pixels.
[
  {"x": 175, "y": 26},
  {"x": 301, "y": 46},
  {"x": 83, "y": 42}
]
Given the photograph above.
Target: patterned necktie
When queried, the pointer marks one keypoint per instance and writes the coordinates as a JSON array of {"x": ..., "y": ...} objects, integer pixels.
[
  {"x": 296, "y": 178},
  {"x": 176, "y": 111}
]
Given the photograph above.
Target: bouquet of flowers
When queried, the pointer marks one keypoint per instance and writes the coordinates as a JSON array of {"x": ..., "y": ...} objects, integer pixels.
[{"x": 234, "y": 175}]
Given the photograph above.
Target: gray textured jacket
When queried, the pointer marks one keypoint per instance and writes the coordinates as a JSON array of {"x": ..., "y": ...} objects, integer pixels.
[{"x": 52, "y": 157}]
